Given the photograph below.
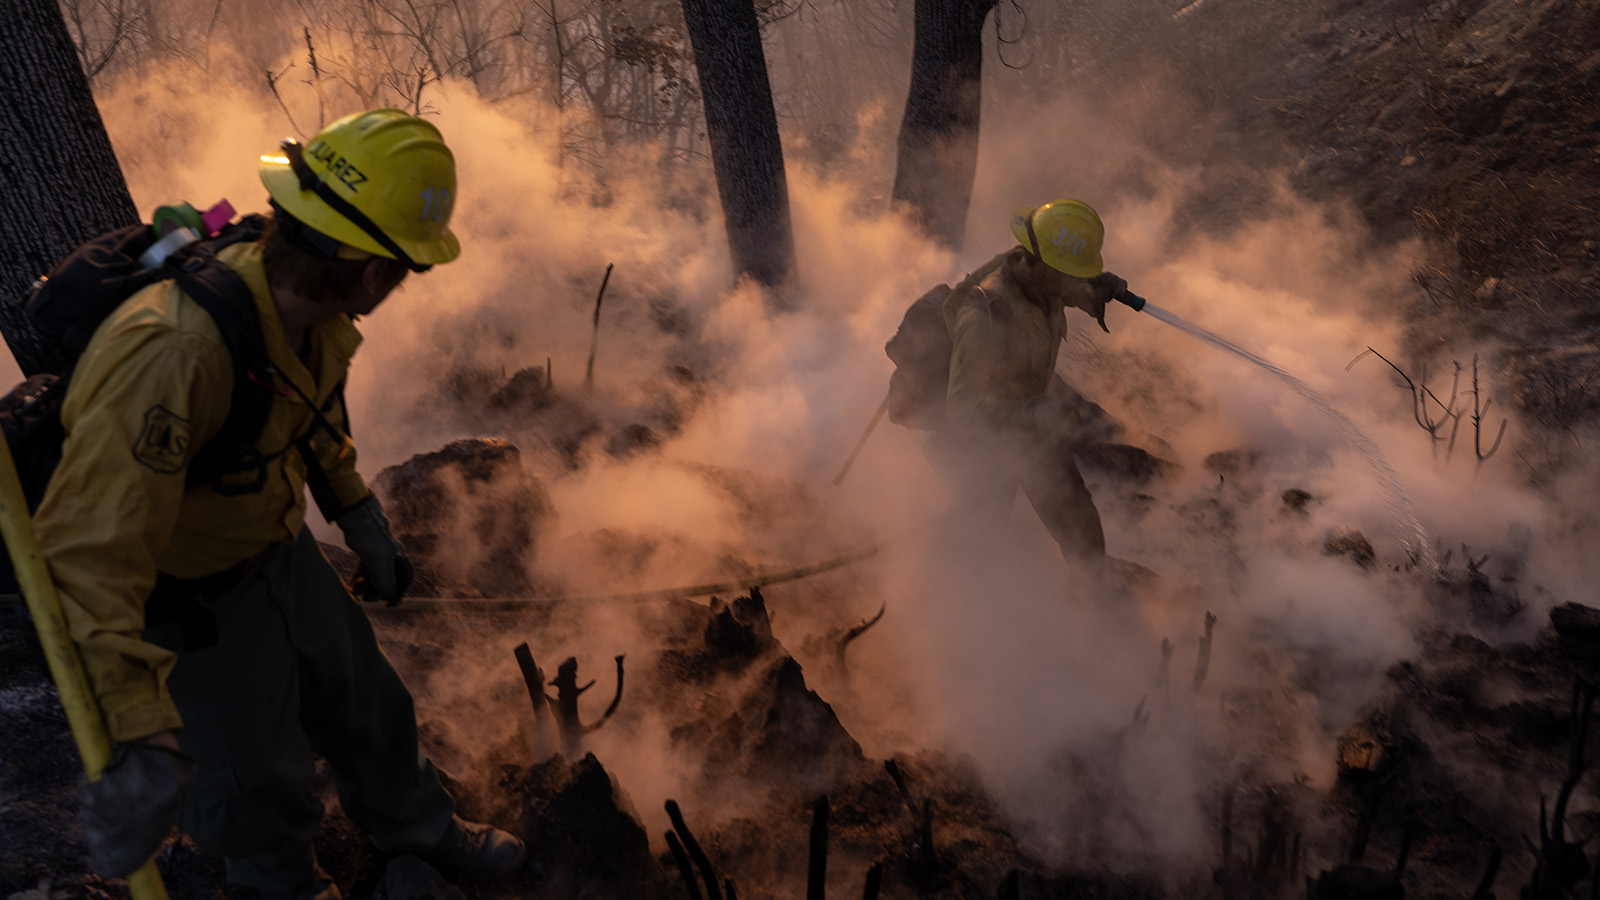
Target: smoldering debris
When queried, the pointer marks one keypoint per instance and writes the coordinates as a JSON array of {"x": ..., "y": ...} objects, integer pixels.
[{"x": 470, "y": 516}]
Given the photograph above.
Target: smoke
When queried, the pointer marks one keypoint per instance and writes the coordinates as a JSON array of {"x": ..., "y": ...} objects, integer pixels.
[{"x": 1046, "y": 678}]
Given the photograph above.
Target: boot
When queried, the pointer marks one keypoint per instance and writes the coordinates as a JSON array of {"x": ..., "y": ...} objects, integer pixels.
[
  {"x": 476, "y": 852},
  {"x": 321, "y": 887}
]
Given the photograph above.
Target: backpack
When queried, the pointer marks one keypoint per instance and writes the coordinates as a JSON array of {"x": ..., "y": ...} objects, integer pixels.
[
  {"x": 67, "y": 306},
  {"x": 920, "y": 350}
]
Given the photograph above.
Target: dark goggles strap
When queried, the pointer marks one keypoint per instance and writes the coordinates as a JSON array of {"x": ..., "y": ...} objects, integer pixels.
[
  {"x": 310, "y": 181},
  {"x": 1033, "y": 238}
]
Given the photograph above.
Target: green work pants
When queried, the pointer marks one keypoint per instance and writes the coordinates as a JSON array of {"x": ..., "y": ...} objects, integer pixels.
[
  {"x": 292, "y": 669},
  {"x": 984, "y": 472}
]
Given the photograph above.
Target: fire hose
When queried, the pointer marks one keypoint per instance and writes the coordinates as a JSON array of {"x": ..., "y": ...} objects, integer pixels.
[
  {"x": 66, "y": 666},
  {"x": 681, "y": 593}
]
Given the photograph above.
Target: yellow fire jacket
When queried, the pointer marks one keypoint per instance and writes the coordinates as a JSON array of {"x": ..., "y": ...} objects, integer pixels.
[
  {"x": 151, "y": 389},
  {"x": 1005, "y": 349}
]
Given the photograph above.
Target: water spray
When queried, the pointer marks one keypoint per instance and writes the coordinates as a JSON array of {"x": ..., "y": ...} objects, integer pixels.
[{"x": 1414, "y": 537}]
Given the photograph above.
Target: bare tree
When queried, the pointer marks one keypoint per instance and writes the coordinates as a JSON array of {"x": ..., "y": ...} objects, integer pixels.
[
  {"x": 63, "y": 183},
  {"x": 742, "y": 126},
  {"x": 938, "y": 151}
]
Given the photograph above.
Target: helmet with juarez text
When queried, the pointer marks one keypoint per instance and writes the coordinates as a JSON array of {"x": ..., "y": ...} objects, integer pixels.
[
  {"x": 380, "y": 181},
  {"x": 1066, "y": 234}
]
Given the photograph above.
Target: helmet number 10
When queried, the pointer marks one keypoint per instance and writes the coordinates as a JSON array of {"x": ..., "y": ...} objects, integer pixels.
[{"x": 435, "y": 204}]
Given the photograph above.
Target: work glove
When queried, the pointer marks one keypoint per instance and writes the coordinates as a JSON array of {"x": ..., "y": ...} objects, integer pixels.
[
  {"x": 1103, "y": 289},
  {"x": 385, "y": 572},
  {"x": 129, "y": 810}
]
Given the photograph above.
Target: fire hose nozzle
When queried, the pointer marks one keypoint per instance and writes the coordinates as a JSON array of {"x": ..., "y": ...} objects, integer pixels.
[{"x": 1131, "y": 299}]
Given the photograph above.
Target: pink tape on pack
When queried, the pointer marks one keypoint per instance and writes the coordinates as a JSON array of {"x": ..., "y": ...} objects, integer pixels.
[{"x": 217, "y": 216}]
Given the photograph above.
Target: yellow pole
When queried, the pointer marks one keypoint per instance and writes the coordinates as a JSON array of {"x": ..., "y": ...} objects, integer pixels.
[{"x": 66, "y": 667}]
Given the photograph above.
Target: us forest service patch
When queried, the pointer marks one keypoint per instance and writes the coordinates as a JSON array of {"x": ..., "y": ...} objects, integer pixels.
[{"x": 163, "y": 442}]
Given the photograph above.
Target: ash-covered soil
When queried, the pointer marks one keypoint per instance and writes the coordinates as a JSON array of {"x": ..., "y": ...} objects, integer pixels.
[{"x": 1471, "y": 124}]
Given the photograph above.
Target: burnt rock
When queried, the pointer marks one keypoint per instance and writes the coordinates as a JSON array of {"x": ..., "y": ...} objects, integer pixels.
[
  {"x": 469, "y": 515},
  {"x": 1297, "y": 500},
  {"x": 583, "y": 833},
  {"x": 784, "y": 731},
  {"x": 1576, "y": 622},
  {"x": 635, "y": 438},
  {"x": 1354, "y": 546},
  {"x": 1124, "y": 462},
  {"x": 1232, "y": 462},
  {"x": 1362, "y": 754},
  {"x": 526, "y": 390},
  {"x": 1355, "y": 883},
  {"x": 409, "y": 878}
]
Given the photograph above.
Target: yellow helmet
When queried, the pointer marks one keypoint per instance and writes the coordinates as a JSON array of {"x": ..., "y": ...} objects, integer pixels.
[
  {"x": 1066, "y": 234},
  {"x": 381, "y": 181}
]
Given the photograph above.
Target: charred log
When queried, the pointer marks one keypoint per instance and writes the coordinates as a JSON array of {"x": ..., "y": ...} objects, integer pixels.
[{"x": 739, "y": 631}]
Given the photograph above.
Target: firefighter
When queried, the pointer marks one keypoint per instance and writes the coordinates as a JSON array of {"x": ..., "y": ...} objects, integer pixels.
[
  {"x": 223, "y": 649},
  {"x": 1009, "y": 419}
]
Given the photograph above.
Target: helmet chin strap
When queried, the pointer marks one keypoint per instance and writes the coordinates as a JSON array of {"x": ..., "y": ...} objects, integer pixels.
[
  {"x": 1033, "y": 239},
  {"x": 310, "y": 181}
]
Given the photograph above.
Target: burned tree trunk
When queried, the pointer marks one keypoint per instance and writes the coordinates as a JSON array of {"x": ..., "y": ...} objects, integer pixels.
[
  {"x": 742, "y": 127},
  {"x": 938, "y": 152},
  {"x": 63, "y": 184}
]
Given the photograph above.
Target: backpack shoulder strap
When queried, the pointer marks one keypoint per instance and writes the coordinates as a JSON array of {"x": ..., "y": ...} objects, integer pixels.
[{"x": 227, "y": 299}]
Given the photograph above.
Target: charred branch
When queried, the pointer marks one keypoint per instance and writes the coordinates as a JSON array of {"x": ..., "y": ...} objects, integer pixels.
[
  {"x": 594, "y": 334},
  {"x": 533, "y": 677},
  {"x": 874, "y": 880},
  {"x": 1354, "y": 880},
  {"x": 1559, "y": 865},
  {"x": 927, "y": 860},
  {"x": 1202, "y": 662},
  {"x": 1227, "y": 828},
  {"x": 817, "y": 870},
  {"x": 857, "y": 630},
  {"x": 685, "y": 868},
  {"x": 1011, "y": 886},
  {"x": 1486, "y": 884},
  {"x": 702, "y": 862},
  {"x": 566, "y": 702},
  {"x": 1479, "y": 410},
  {"x": 1421, "y": 396},
  {"x": 1369, "y": 812},
  {"x": 615, "y": 700}
]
